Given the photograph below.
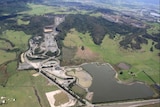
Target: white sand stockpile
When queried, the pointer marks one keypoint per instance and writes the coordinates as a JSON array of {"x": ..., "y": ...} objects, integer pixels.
[
  {"x": 22, "y": 58},
  {"x": 51, "y": 99},
  {"x": 36, "y": 74}
]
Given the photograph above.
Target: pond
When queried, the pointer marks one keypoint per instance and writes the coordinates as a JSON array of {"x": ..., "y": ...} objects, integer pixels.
[{"x": 107, "y": 89}]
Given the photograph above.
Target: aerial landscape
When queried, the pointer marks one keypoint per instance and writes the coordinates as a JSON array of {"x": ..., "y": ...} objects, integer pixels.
[{"x": 79, "y": 53}]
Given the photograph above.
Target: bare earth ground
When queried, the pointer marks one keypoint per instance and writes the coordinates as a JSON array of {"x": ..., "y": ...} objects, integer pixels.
[
  {"x": 89, "y": 96},
  {"x": 36, "y": 74},
  {"x": 22, "y": 57},
  {"x": 86, "y": 54},
  {"x": 84, "y": 79},
  {"x": 51, "y": 99}
]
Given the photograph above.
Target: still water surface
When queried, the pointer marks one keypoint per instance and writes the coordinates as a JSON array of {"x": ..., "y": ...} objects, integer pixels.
[{"x": 106, "y": 88}]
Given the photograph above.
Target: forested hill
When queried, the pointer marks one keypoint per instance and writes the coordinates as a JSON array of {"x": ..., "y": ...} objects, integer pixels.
[
  {"x": 99, "y": 27},
  {"x": 16, "y": 1},
  {"x": 148, "y": 2},
  {"x": 14, "y": 6}
]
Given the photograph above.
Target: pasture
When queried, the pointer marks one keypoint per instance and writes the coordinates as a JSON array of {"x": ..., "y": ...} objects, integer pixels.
[
  {"x": 111, "y": 52},
  {"x": 26, "y": 89},
  {"x": 44, "y": 9},
  {"x": 18, "y": 38},
  {"x": 6, "y": 56}
]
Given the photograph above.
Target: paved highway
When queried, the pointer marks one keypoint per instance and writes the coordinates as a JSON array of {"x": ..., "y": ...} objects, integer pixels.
[{"x": 130, "y": 104}]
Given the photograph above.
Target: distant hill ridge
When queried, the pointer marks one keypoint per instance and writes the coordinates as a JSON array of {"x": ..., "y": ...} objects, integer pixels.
[{"x": 157, "y": 2}]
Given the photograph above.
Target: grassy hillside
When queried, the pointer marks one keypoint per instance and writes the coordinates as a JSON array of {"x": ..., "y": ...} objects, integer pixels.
[
  {"x": 18, "y": 38},
  {"x": 111, "y": 52}
]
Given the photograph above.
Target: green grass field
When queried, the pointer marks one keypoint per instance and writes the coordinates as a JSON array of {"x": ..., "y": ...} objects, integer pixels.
[
  {"x": 43, "y": 9},
  {"x": 5, "y": 45},
  {"x": 79, "y": 91},
  {"x": 18, "y": 38},
  {"x": 38, "y": 9},
  {"x": 155, "y": 29},
  {"x": 6, "y": 56},
  {"x": 22, "y": 86},
  {"x": 111, "y": 52}
]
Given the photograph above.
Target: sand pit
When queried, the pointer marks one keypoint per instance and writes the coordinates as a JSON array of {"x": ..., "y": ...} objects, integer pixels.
[
  {"x": 84, "y": 79},
  {"x": 22, "y": 58},
  {"x": 52, "y": 100}
]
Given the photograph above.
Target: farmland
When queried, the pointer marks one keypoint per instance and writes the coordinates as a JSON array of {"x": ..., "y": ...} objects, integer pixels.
[
  {"x": 43, "y": 9},
  {"x": 23, "y": 87},
  {"x": 18, "y": 38},
  {"x": 111, "y": 52}
]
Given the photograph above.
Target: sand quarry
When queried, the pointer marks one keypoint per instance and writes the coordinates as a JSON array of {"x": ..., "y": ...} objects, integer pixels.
[{"x": 52, "y": 100}]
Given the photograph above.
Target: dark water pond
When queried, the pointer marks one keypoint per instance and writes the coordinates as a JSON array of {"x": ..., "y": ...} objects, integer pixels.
[{"x": 106, "y": 88}]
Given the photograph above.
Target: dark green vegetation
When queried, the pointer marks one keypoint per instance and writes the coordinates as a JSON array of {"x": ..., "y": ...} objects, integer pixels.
[
  {"x": 99, "y": 27},
  {"x": 12, "y": 6},
  {"x": 35, "y": 26}
]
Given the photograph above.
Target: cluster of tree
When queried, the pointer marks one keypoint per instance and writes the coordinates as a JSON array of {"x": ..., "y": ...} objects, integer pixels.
[
  {"x": 36, "y": 25},
  {"x": 155, "y": 38},
  {"x": 12, "y": 6},
  {"x": 104, "y": 11},
  {"x": 133, "y": 41},
  {"x": 15, "y": 6},
  {"x": 97, "y": 27}
]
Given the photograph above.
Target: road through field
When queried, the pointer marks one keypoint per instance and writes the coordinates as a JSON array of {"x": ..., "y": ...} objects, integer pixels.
[{"x": 130, "y": 104}]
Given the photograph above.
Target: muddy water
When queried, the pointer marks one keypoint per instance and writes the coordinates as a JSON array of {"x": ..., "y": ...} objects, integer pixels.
[{"x": 106, "y": 88}]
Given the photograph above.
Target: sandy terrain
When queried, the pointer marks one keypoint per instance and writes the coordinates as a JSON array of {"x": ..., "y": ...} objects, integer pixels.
[
  {"x": 36, "y": 74},
  {"x": 22, "y": 59},
  {"x": 89, "y": 96},
  {"x": 84, "y": 79},
  {"x": 51, "y": 99}
]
